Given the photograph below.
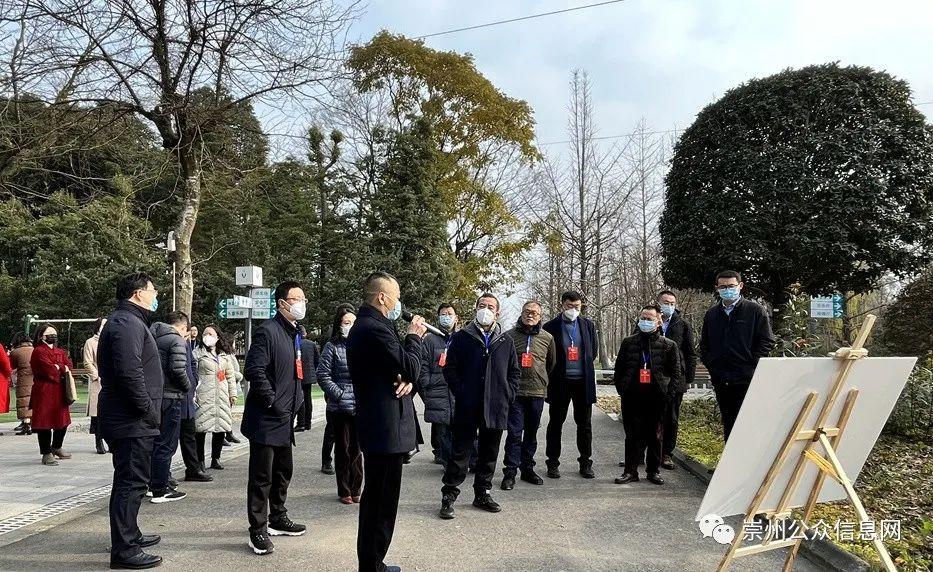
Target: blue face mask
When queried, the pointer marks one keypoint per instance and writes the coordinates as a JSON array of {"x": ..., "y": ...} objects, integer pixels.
[
  {"x": 155, "y": 304},
  {"x": 667, "y": 310},
  {"x": 446, "y": 321},
  {"x": 647, "y": 326},
  {"x": 729, "y": 294},
  {"x": 396, "y": 312}
]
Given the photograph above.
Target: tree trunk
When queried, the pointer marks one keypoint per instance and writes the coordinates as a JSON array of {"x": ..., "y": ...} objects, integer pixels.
[{"x": 191, "y": 171}]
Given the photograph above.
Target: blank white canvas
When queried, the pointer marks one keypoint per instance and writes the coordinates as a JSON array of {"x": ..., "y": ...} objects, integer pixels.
[{"x": 776, "y": 394}]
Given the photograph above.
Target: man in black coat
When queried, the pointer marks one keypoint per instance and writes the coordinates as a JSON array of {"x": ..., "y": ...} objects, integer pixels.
[
  {"x": 310, "y": 356},
  {"x": 736, "y": 334},
  {"x": 383, "y": 371},
  {"x": 675, "y": 328},
  {"x": 573, "y": 380},
  {"x": 434, "y": 391},
  {"x": 646, "y": 371},
  {"x": 483, "y": 374},
  {"x": 173, "y": 353},
  {"x": 129, "y": 411},
  {"x": 274, "y": 372}
]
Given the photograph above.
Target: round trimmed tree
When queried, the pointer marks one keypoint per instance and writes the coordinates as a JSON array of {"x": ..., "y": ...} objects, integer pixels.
[{"x": 821, "y": 177}]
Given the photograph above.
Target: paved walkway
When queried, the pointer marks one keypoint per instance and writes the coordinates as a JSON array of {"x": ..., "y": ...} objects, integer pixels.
[{"x": 566, "y": 524}]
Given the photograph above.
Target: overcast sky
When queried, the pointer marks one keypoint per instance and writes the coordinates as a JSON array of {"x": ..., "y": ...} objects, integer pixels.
[{"x": 663, "y": 60}]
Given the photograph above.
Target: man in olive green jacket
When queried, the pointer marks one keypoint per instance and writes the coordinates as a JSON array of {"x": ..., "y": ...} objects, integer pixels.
[{"x": 537, "y": 356}]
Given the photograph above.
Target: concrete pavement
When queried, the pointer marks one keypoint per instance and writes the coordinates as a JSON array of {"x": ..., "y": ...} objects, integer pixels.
[{"x": 566, "y": 524}]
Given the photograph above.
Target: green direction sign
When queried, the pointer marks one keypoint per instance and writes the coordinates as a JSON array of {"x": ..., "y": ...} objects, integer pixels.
[{"x": 837, "y": 305}]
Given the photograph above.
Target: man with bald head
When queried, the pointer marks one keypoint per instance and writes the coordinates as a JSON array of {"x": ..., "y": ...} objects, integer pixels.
[{"x": 383, "y": 370}]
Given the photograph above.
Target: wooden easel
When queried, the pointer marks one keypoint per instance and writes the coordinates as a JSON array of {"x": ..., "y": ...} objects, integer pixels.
[{"x": 827, "y": 436}]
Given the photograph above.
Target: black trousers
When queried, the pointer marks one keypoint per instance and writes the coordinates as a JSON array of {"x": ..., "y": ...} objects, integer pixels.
[
  {"x": 442, "y": 441},
  {"x": 671, "y": 422},
  {"x": 327, "y": 448},
  {"x": 561, "y": 395},
  {"x": 217, "y": 445},
  {"x": 349, "y": 459},
  {"x": 730, "y": 398},
  {"x": 486, "y": 454},
  {"x": 165, "y": 444},
  {"x": 304, "y": 413},
  {"x": 132, "y": 458},
  {"x": 50, "y": 439},
  {"x": 378, "y": 509},
  {"x": 270, "y": 471},
  {"x": 643, "y": 421},
  {"x": 521, "y": 442},
  {"x": 188, "y": 442}
]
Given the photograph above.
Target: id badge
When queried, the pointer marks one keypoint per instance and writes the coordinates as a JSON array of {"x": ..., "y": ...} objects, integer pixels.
[
  {"x": 221, "y": 375},
  {"x": 644, "y": 375},
  {"x": 528, "y": 359},
  {"x": 573, "y": 353},
  {"x": 298, "y": 370},
  {"x": 442, "y": 360}
]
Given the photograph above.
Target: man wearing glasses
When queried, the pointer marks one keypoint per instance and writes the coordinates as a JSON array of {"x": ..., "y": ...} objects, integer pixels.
[
  {"x": 736, "y": 334},
  {"x": 274, "y": 371},
  {"x": 537, "y": 356},
  {"x": 129, "y": 412}
]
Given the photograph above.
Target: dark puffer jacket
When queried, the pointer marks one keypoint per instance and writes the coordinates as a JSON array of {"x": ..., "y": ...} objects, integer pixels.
[
  {"x": 663, "y": 359},
  {"x": 438, "y": 400},
  {"x": 173, "y": 352},
  {"x": 333, "y": 375}
]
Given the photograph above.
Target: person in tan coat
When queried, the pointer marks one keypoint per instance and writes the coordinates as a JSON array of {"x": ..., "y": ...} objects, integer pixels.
[
  {"x": 89, "y": 357},
  {"x": 19, "y": 360}
]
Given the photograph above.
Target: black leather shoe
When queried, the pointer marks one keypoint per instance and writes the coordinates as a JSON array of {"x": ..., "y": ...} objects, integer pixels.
[
  {"x": 215, "y": 464},
  {"x": 586, "y": 472},
  {"x": 234, "y": 439},
  {"x": 299, "y": 429},
  {"x": 530, "y": 476},
  {"x": 147, "y": 540},
  {"x": 327, "y": 469},
  {"x": 553, "y": 473},
  {"x": 655, "y": 478},
  {"x": 447, "y": 509},
  {"x": 139, "y": 562},
  {"x": 668, "y": 463},
  {"x": 626, "y": 478},
  {"x": 198, "y": 477},
  {"x": 508, "y": 483},
  {"x": 486, "y": 503}
]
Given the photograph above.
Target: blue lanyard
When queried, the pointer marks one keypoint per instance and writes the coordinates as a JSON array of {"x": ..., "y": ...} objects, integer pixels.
[
  {"x": 644, "y": 356},
  {"x": 298, "y": 345},
  {"x": 573, "y": 333},
  {"x": 528, "y": 345}
]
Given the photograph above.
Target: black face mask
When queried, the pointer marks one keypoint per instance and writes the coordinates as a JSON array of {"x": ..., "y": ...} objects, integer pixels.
[{"x": 52, "y": 340}]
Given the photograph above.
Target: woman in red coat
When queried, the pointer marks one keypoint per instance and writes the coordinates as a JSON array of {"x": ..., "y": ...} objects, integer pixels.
[
  {"x": 6, "y": 372},
  {"x": 50, "y": 414}
]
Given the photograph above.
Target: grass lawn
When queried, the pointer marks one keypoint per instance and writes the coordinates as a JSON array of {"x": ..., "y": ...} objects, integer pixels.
[{"x": 895, "y": 484}]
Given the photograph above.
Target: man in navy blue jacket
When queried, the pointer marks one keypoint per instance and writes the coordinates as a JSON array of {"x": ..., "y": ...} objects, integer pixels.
[
  {"x": 130, "y": 414},
  {"x": 573, "y": 380},
  {"x": 274, "y": 372},
  {"x": 483, "y": 374}
]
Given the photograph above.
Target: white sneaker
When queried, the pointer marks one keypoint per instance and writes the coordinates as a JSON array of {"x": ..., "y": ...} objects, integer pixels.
[{"x": 168, "y": 497}]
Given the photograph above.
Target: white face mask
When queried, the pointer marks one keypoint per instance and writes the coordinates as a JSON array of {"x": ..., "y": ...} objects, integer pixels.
[
  {"x": 485, "y": 317},
  {"x": 345, "y": 329},
  {"x": 571, "y": 314},
  {"x": 298, "y": 310},
  {"x": 209, "y": 341}
]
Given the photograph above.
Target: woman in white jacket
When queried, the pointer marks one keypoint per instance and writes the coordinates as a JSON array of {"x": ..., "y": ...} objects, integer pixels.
[
  {"x": 216, "y": 394},
  {"x": 225, "y": 349}
]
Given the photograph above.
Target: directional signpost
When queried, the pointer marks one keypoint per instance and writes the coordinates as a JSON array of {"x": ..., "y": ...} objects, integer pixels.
[
  {"x": 826, "y": 306},
  {"x": 259, "y": 305}
]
